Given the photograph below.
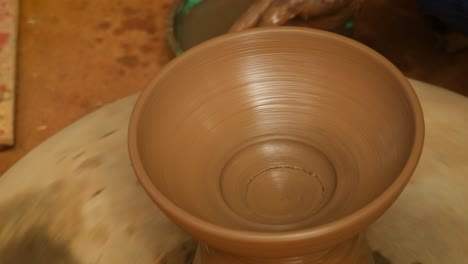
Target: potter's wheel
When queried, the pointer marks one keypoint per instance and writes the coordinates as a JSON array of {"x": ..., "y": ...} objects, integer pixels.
[{"x": 77, "y": 199}]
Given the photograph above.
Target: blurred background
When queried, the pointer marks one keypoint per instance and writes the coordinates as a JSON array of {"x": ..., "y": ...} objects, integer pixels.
[{"x": 74, "y": 56}]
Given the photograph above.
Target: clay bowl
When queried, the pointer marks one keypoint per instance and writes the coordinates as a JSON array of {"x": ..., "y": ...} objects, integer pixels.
[{"x": 277, "y": 143}]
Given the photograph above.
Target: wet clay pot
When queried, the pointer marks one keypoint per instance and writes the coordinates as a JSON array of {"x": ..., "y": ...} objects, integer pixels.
[{"x": 277, "y": 145}]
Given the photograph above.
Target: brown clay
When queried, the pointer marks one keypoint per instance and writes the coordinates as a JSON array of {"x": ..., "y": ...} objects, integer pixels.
[
  {"x": 326, "y": 15},
  {"x": 277, "y": 145},
  {"x": 188, "y": 29}
]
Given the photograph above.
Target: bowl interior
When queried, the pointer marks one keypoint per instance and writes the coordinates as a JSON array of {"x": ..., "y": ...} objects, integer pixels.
[{"x": 275, "y": 130}]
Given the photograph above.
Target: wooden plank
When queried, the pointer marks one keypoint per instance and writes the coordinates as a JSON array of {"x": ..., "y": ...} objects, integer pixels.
[{"x": 8, "y": 40}]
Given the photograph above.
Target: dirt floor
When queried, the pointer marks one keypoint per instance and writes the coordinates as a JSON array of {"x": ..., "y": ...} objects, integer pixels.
[
  {"x": 397, "y": 29},
  {"x": 77, "y": 55}
]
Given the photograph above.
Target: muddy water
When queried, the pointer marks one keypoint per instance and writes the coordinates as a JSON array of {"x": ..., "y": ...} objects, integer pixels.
[{"x": 208, "y": 19}]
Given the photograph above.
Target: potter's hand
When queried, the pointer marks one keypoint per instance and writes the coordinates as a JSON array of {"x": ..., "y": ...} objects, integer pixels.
[{"x": 279, "y": 12}]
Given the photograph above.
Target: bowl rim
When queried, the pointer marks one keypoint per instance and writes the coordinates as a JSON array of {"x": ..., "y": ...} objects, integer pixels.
[{"x": 347, "y": 225}]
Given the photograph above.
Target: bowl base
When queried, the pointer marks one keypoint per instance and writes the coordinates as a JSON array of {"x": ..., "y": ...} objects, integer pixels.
[
  {"x": 278, "y": 184},
  {"x": 354, "y": 251}
]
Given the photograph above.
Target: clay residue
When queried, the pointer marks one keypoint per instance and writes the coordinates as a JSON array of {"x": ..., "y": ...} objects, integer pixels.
[
  {"x": 129, "y": 61},
  {"x": 147, "y": 48},
  {"x": 79, "y": 154},
  {"x": 130, "y": 230},
  {"x": 97, "y": 192},
  {"x": 125, "y": 47},
  {"x": 138, "y": 23},
  {"x": 380, "y": 259},
  {"x": 128, "y": 11},
  {"x": 182, "y": 254},
  {"x": 90, "y": 163},
  {"x": 104, "y": 25},
  {"x": 109, "y": 133},
  {"x": 99, "y": 236},
  {"x": 39, "y": 227},
  {"x": 36, "y": 246},
  {"x": 120, "y": 72},
  {"x": 167, "y": 5}
]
